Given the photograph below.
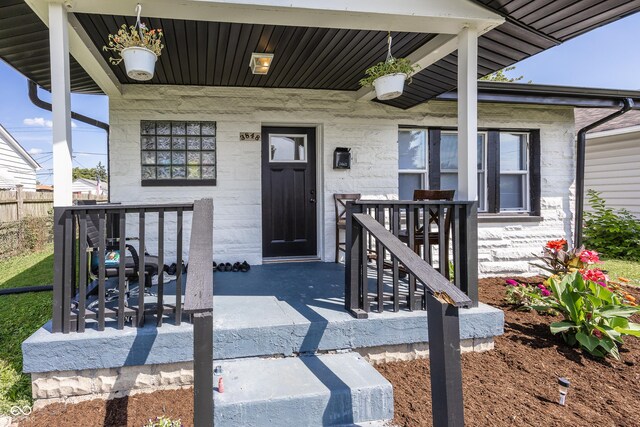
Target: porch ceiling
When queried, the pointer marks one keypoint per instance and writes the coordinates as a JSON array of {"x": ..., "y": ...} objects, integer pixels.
[
  {"x": 307, "y": 57},
  {"x": 217, "y": 54},
  {"x": 24, "y": 45}
]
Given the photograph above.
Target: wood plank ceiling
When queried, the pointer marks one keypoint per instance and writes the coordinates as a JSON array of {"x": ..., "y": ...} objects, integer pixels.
[
  {"x": 24, "y": 45},
  {"x": 212, "y": 53}
]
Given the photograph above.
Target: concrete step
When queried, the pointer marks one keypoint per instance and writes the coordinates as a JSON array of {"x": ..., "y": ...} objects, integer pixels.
[{"x": 314, "y": 390}]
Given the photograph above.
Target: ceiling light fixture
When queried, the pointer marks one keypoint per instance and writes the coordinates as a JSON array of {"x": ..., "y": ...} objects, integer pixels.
[{"x": 260, "y": 62}]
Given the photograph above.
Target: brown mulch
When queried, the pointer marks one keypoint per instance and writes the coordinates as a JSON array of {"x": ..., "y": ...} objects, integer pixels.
[
  {"x": 513, "y": 385},
  {"x": 516, "y": 384},
  {"x": 130, "y": 411}
]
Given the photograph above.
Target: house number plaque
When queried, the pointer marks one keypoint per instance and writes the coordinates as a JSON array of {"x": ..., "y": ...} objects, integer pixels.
[{"x": 250, "y": 136}]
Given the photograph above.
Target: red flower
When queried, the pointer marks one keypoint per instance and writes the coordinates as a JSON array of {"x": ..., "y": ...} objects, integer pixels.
[
  {"x": 594, "y": 275},
  {"x": 557, "y": 245},
  {"x": 589, "y": 257}
]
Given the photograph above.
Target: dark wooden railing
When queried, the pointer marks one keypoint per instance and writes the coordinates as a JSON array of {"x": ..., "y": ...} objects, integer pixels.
[
  {"x": 374, "y": 232},
  {"x": 390, "y": 243},
  {"x": 83, "y": 232}
]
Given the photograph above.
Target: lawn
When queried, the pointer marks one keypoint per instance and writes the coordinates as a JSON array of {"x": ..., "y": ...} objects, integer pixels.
[
  {"x": 627, "y": 269},
  {"x": 20, "y": 316}
]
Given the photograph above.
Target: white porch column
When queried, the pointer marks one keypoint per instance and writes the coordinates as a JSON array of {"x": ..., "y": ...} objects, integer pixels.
[
  {"x": 467, "y": 114},
  {"x": 61, "y": 101}
]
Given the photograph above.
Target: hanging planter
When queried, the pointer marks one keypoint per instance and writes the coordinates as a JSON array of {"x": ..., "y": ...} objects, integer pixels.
[
  {"x": 388, "y": 77},
  {"x": 139, "y": 48}
]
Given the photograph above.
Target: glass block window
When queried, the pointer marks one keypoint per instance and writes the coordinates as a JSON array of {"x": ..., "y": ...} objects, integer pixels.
[{"x": 178, "y": 153}]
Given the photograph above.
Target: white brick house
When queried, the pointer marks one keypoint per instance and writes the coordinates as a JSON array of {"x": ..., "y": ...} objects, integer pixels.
[{"x": 506, "y": 241}]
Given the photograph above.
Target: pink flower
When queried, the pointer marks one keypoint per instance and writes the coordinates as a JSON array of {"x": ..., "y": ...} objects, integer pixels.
[
  {"x": 512, "y": 282},
  {"x": 545, "y": 292},
  {"x": 594, "y": 275},
  {"x": 589, "y": 257}
]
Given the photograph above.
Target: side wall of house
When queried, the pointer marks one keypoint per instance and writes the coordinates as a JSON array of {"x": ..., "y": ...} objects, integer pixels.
[
  {"x": 612, "y": 168},
  {"x": 368, "y": 128},
  {"x": 18, "y": 169}
]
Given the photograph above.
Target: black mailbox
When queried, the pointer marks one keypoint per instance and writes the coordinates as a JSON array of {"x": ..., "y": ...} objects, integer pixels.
[{"x": 342, "y": 158}]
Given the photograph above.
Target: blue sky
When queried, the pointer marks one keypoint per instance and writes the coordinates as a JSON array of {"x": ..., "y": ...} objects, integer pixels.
[{"x": 607, "y": 57}]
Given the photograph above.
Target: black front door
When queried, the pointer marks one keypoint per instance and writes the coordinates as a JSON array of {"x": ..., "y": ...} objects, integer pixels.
[{"x": 288, "y": 192}]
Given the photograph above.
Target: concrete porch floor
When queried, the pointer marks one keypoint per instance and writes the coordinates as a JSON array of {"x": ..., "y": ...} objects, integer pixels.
[{"x": 274, "y": 309}]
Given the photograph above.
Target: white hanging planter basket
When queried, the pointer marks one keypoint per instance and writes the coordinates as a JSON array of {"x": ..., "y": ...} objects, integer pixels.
[
  {"x": 389, "y": 86},
  {"x": 139, "y": 62}
]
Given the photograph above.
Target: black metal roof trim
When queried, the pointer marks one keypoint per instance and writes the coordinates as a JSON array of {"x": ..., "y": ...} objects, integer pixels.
[{"x": 522, "y": 93}]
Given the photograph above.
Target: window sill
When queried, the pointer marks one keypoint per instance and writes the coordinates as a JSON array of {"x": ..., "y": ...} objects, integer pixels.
[
  {"x": 177, "y": 182},
  {"x": 488, "y": 218}
]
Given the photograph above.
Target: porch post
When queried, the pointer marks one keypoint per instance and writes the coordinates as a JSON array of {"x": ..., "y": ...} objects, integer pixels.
[
  {"x": 467, "y": 158},
  {"x": 61, "y": 101},
  {"x": 468, "y": 114}
]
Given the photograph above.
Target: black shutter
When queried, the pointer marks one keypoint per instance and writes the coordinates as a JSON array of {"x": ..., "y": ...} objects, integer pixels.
[{"x": 434, "y": 158}]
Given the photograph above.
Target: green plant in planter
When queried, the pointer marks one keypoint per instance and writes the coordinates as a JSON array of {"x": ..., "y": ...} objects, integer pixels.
[
  {"x": 595, "y": 318},
  {"x": 385, "y": 68},
  {"x": 163, "y": 422}
]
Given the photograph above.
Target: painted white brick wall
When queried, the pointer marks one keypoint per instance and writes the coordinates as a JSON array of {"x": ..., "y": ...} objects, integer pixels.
[{"x": 368, "y": 128}]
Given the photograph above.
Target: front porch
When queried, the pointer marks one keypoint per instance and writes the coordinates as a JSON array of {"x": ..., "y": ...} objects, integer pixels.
[{"x": 272, "y": 310}]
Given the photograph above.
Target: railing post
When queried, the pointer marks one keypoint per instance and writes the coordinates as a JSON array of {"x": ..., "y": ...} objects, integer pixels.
[
  {"x": 468, "y": 251},
  {"x": 353, "y": 259},
  {"x": 198, "y": 300},
  {"x": 444, "y": 362},
  {"x": 58, "y": 268}
]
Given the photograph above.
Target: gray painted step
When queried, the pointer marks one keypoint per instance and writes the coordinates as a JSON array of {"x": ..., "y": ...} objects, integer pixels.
[{"x": 313, "y": 390}]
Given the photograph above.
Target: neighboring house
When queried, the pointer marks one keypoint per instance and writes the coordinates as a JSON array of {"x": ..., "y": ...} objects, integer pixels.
[
  {"x": 613, "y": 158},
  {"x": 17, "y": 167},
  {"x": 89, "y": 186}
]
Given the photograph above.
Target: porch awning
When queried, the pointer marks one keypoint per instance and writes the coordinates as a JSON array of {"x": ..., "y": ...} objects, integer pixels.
[{"x": 215, "y": 53}]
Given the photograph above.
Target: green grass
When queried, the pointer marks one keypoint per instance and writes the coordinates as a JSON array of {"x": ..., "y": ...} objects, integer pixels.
[
  {"x": 627, "y": 269},
  {"x": 20, "y": 316}
]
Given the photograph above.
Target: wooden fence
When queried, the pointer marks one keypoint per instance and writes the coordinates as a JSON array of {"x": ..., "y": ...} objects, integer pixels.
[{"x": 19, "y": 204}]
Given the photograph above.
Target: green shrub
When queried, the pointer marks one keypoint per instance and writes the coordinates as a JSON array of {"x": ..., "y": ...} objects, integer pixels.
[{"x": 613, "y": 233}]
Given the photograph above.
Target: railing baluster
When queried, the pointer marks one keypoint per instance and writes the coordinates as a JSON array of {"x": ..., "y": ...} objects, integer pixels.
[
  {"x": 427, "y": 256},
  {"x": 68, "y": 268},
  {"x": 179, "y": 267},
  {"x": 160, "y": 305},
  {"x": 395, "y": 229},
  {"x": 442, "y": 244},
  {"x": 83, "y": 282},
  {"x": 457, "y": 246},
  {"x": 411, "y": 298},
  {"x": 142, "y": 275},
  {"x": 364, "y": 275},
  {"x": 74, "y": 270},
  {"x": 380, "y": 261},
  {"x": 122, "y": 279},
  {"x": 102, "y": 251}
]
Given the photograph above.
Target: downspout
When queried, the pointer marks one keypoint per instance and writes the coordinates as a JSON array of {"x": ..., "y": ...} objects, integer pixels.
[
  {"x": 580, "y": 165},
  {"x": 33, "y": 96}
]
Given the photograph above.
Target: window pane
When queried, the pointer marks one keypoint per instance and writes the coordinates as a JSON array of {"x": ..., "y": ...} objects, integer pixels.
[
  {"x": 407, "y": 182},
  {"x": 513, "y": 152},
  {"x": 449, "y": 151},
  {"x": 511, "y": 191},
  {"x": 412, "y": 149},
  {"x": 287, "y": 148},
  {"x": 449, "y": 181}
]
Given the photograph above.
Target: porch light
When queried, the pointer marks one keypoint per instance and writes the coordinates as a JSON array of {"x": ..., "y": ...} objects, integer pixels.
[{"x": 260, "y": 62}]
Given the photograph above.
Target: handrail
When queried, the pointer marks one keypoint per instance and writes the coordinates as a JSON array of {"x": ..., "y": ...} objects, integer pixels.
[
  {"x": 131, "y": 207},
  {"x": 414, "y": 202},
  {"x": 439, "y": 287}
]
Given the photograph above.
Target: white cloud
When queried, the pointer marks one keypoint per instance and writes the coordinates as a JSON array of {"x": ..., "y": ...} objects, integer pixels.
[
  {"x": 38, "y": 121},
  {"x": 35, "y": 151},
  {"x": 41, "y": 122}
]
